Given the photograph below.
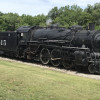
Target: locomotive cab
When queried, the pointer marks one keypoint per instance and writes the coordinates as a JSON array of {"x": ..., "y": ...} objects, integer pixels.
[
  {"x": 24, "y": 34},
  {"x": 22, "y": 38}
]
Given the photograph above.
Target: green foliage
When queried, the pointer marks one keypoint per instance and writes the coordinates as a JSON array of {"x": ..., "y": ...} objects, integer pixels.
[
  {"x": 8, "y": 21},
  {"x": 84, "y": 19},
  {"x": 11, "y": 21},
  {"x": 94, "y": 12},
  {"x": 98, "y": 27},
  {"x": 73, "y": 15},
  {"x": 39, "y": 20},
  {"x": 64, "y": 16}
]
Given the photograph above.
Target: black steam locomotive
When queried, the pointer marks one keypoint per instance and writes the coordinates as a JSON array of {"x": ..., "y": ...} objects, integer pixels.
[{"x": 72, "y": 47}]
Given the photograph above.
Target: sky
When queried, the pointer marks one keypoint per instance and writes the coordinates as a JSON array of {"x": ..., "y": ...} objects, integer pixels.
[{"x": 35, "y": 7}]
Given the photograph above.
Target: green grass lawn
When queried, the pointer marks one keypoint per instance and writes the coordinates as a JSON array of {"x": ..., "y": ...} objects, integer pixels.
[{"x": 24, "y": 82}]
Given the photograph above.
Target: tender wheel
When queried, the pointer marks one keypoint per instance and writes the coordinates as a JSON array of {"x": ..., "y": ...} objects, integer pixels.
[
  {"x": 91, "y": 68},
  {"x": 55, "y": 57},
  {"x": 45, "y": 56},
  {"x": 67, "y": 64}
]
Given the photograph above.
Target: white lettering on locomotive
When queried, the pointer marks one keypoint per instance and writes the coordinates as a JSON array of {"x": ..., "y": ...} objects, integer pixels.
[{"x": 3, "y": 42}]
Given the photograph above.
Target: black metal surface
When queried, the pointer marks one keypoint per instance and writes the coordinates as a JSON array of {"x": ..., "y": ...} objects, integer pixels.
[
  {"x": 8, "y": 41},
  {"x": 75, "y": 45},
  {"x": 75, "y": 35}
]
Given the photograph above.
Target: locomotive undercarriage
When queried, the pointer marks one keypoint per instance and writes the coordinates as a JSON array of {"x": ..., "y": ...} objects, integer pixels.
[{"x": 58, "y": 55}]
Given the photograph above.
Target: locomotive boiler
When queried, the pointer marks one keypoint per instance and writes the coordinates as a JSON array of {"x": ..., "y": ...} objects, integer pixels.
[
  {"x": 72, "y": 47},
  {"x": 75, "y": 35}
]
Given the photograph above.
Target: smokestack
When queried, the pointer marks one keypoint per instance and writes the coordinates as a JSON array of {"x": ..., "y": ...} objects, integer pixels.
[{"x": 91, "y": 26}]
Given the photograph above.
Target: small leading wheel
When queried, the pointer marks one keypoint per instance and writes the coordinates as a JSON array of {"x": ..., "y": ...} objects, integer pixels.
[
  {"x": 91, "y": 68},
  {"x": 45, "y": 56},
  {"x": 67, "y": 64},
  {"x": 55, "y": 57}
]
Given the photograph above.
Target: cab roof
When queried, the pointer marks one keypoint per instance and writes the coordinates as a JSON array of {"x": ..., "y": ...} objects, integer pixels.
[{"x": 25, "y": 29}]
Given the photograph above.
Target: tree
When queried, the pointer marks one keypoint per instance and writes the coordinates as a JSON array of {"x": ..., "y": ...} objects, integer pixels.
[
  {"x": 64, "y": 16},
  {"x": 94, "y": 11},
  {"x": 53, "y": 13},
  {"x": 9, "y": 21}
]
